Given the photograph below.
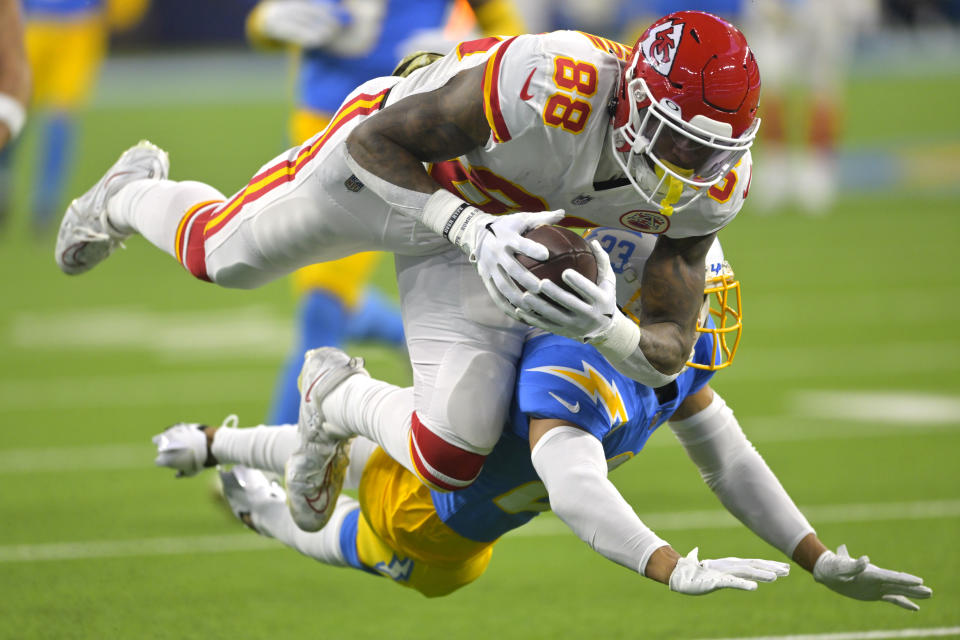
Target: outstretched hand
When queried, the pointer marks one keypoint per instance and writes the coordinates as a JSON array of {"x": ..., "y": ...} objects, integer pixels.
[
  {"x": 697, "y": 577},
  {"x": 858, "y": 579}
]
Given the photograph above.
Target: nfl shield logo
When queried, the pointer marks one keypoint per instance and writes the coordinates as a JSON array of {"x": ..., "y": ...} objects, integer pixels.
[{"x": 645, "y": 221}]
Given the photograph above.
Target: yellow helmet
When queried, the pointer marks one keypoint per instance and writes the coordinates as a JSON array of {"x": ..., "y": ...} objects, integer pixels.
[{"x": 629, "y": 251}]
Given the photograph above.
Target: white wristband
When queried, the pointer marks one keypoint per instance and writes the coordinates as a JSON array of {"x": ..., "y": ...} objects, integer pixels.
[
  {"x": 454, "y": 219},
  {"x": 620, "y": 344},
  {"x": 12, "y": 114},
  {"x": 620, "y": 339}
]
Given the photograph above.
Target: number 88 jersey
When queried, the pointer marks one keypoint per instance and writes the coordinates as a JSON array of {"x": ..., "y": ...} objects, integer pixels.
[{"x": 547, "y": 100}]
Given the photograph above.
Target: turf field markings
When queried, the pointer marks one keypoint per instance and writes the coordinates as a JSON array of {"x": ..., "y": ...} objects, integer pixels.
[
  {"x": 139, "y": 547},
  {"x": 104, "y": 458},
  {"x": 133, "y": 456},
  {"x": 548, "y": 524},
  {"x": 787, "y": 428},
  {"x": 878, "y": 406},
  {"x": 879, "y": 634},
  {"x": 840, "y": 362},
  {"x": 544, "y": 526},
  {"x": 136, "y": 390},
  {"x": 224, "y": 334}
]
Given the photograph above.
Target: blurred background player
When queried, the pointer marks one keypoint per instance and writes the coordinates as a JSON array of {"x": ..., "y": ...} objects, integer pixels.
[
  {"x": 14, "y": 74},
  {"x": 66, "y": 41},
  {"x": 337, "y": 46},
  {"x": 574, "y": 419},
  {"x": 14, "y": 87},
  {"x": 804, "y": 47}
]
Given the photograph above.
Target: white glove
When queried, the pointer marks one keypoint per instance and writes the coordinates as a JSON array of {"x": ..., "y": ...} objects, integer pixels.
[
  {"x": 492, "y": 242},
  {"x": 495, "y": 241},
  {"x": 586, "y": 315},
  {"x": 755, "y": 569},
  {"x": 694, "y": 577},
  {"x": 858, "y": 579},
  {"x": 305, "y": 23}
]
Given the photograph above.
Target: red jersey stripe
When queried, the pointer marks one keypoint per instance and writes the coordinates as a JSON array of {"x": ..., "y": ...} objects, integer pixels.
[
  {"x": 491, "y": 94},
  {"x": 194, "y": 253},
  {"x": 286, "y": 170},
  {"x": 179, "y": 242}
]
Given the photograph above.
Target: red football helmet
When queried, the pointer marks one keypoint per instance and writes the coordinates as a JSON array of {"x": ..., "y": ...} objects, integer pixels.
[{"x": 687, "y": 104}]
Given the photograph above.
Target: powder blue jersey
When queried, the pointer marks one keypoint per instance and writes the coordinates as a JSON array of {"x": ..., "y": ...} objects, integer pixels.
[
  {"x": 325, "y": 79},
  {"x": 564, "y": 379},
  {"x": 61, "y": 7}
]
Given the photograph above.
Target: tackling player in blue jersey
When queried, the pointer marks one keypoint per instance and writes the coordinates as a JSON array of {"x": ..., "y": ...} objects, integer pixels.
[{"x": 574, "y": 418}]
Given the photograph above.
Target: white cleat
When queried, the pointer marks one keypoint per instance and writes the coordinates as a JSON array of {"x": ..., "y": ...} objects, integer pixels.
[
  {"x": 184, "y": 447},
  {"x": 247, "y": 489},
  {"x": 86, "y": 238},
  {"x": 315, "y": 470}
]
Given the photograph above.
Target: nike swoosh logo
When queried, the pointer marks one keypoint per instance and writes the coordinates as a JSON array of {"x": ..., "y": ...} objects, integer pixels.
[
  {"x": 572, "y": 408},
  {"x": 524, "y": 93}
]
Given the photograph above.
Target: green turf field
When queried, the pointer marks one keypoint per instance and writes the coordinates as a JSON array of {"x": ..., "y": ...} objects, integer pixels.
[{"x": 848, "y": 381}]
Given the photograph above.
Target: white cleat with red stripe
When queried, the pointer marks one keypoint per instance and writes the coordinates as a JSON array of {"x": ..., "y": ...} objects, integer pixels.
[
  {"x": 86, "y": 238},
  {"x": 315, "y": 470}
]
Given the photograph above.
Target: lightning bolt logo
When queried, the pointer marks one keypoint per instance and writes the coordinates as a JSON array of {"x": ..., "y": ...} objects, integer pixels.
[
  {"x": 603, "y": 392},
  {"x": 398, "y": 570}
]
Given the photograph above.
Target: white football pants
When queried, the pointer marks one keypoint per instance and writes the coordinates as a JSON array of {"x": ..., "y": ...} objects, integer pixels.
[{"x": 306, "y": 206}]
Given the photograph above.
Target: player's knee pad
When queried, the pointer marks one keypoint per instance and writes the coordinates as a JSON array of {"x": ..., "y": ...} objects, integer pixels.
[{"x": 441, "y": 465}]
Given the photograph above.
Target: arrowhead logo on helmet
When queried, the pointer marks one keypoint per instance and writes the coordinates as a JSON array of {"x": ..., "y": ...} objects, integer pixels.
[{"x": 660, "y": 46}]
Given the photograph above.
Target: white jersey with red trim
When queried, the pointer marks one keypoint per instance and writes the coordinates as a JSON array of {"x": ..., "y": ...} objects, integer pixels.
[{"x": 546, "y": 99}]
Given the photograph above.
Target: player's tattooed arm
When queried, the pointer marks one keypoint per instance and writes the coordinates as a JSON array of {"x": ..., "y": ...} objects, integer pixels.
[
  {"x": 428, "y": 127},
  {"x": 671, "y": 295}
]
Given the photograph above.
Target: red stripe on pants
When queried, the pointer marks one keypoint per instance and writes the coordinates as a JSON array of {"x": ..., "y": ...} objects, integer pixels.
[
  {"x": 195, "y": 257},
  {"x": 439, "y": 463}
]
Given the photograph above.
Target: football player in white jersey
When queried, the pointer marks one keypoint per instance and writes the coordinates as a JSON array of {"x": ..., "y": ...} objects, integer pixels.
[{"x": 447, "y": 168}]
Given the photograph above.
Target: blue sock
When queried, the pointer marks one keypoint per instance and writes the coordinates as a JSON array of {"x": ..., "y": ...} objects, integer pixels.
[
  {"x": 322, "y": 323},
  {"x": 6, "y": 182},
  {"x": 348, "y": 542},
  {"x": 377, "y": 318},
  {"x": 56, "y": 145}
]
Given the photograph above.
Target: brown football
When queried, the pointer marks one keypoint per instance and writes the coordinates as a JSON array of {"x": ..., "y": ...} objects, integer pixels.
[{"x": 568, "y": 250}]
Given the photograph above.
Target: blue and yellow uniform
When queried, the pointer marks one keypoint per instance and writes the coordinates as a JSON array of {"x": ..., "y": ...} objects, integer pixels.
[
  {"x": 66, "y": 42},
  {"x": 335, "y": 303},
  {"x": 438, "y": 542}
]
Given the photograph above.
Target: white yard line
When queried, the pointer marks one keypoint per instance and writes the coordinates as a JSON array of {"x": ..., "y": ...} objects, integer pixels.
[
  {"x": 140, "y": 547},
  {"x": 879, "y": 634},
  {"x": 878, "y": 406},
  {"x": 544, "y": 526},
  {"x": 189, "y": 335},
  {"x": 548, "y": 524},
  {"x": 94, "y": 458}
]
